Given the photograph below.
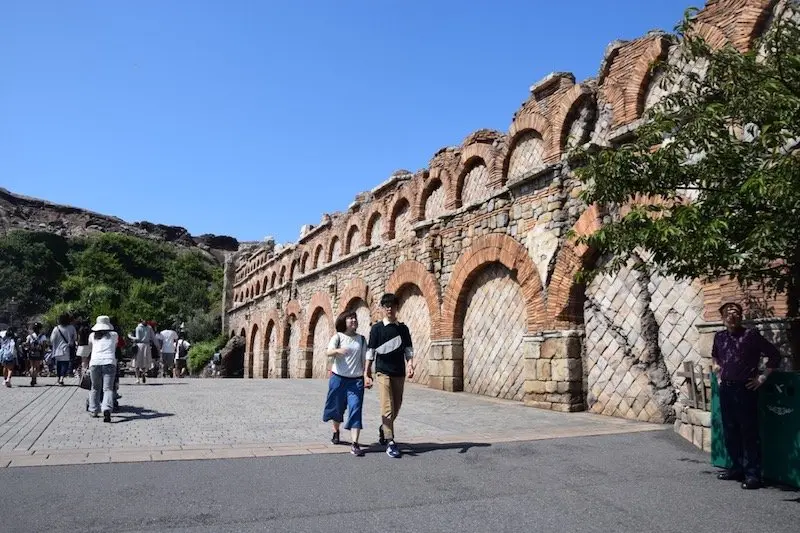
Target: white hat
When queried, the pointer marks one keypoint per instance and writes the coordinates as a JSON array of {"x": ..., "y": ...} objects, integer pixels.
[{"x": 103, "y": 324}]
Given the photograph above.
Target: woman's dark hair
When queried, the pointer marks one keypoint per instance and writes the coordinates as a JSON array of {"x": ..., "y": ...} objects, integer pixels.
[
  {"x": 100, "y": 334},
  {"x": 37, "y": 327},
  {"x": 64, "y": 319},
  {"x": 341, "y": 321}
]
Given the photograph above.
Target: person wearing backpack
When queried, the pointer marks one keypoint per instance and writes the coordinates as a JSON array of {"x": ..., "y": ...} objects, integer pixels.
[
  {"x": 181, "y": 352},
  {"x": 8, "y": 355},
  {"x": 37, "y": 344},
  {"x": 346, "y": 384}
]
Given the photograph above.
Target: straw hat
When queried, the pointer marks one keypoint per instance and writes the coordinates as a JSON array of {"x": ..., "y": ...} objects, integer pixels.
[{"x": 103, "y": 324}]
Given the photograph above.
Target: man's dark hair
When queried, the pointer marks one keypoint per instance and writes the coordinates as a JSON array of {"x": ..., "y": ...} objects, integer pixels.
[
  {"x": 724, "y": 307},
  {"x": 389, "y": 300},
  {"x": 341, "y": 320},
  {"x": 64, "y": 319}
]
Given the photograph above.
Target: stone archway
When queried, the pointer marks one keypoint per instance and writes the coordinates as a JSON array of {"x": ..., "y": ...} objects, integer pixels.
[
  {"x": 494, "y": 328},
  {"x": 414, "y": 313},
  {"x": 320, "y": 335},
  {"x": 269, "y": 354},
  {"x": 295, "y": 356},
  {"x": 253, "y": 352}
]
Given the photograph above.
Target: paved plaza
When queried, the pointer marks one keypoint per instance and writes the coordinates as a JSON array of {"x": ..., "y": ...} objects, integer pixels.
[{"x": 172, "y": 419}]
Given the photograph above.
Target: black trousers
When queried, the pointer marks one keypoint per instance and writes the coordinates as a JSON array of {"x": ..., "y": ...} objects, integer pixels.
[{"x": 739, "y": 407}]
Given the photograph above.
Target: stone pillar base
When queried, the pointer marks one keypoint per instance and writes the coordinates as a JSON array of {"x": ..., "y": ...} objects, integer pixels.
[
  {"x": 554, "y": 371},
  {"x": 446, "y": 365}
]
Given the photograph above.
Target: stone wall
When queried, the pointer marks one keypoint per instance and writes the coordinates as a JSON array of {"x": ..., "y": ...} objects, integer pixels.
[{"x": 476, "y": 246}]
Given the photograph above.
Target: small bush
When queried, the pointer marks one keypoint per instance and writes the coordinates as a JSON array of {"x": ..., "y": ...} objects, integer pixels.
[{"x": 200, "y": 355}]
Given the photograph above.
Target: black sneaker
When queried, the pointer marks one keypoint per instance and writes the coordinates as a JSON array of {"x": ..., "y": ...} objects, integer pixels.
[
  {"x": 356, "y": 450},
  {"x": 106, "y": 416},
  {"x": 393, "y": 451},
  {"x": 730, "y": 475},
  {"x": 144, "y": 378},
  {"x": 381, "y": 438},
  {"x": 335, "y": 438}
]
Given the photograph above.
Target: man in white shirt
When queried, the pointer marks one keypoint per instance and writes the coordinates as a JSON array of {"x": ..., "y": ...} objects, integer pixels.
[
  {"x": 169, "y": 339},
  {"x": 181, "y": 353}
]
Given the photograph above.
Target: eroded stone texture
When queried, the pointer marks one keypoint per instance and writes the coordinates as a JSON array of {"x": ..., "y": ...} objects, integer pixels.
[{"x": 322, "y": 335}]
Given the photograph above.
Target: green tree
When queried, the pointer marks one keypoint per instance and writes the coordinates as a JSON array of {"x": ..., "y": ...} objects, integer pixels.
[
  {"x": 31, "y": 267},
  {"x": 716, "y": 163}
]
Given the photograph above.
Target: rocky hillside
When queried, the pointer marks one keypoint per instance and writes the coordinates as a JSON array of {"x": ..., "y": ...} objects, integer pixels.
[{"x": 19, "y": 212}]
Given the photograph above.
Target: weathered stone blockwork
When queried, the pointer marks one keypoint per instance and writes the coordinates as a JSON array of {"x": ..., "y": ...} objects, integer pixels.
[{"x": 476, "y": 246}]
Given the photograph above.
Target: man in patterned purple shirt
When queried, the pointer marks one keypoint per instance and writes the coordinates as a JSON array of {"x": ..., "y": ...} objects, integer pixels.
[{"x": 737, "y": 352}]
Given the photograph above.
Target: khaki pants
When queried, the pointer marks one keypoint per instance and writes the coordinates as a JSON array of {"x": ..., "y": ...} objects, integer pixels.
[{"x": 390, "y": 393}]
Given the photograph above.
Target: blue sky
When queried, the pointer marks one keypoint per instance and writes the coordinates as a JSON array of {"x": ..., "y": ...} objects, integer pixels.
[{"x": 251, "y": 118}]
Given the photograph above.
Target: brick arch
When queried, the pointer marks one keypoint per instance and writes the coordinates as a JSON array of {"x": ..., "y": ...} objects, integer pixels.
[
  {"x": 529, "y": 121},
  {"x": 493, "y": 248},
  {"x": 320, "y": 303},
  {"x": 271, "y": 321},
  {"x": 640, "y": 76},
  {"x": 272, "y": 279},
  {"x": 293, "y": 269},
  {"x": 334, "y": 240},
  {"x": 250, "y": 352},
  {"x": 304, "y": 261},
  {"x": 401, "y": 201},
  {"x": 348, "y": 240},
  {"x": 562, "y": 119},
  {"x": 413, "y": 272},
  {"x": 373, "y": 215},
  {"x": 282, "y": 276},
  {"x": 356, "y": 289},
  {"x": 265, "y": 282},
  {"x": 565, "y": 296},
  {"x": 258, "y": 287},
  {"x": 433, "y": 184},
  {"x": 319, "y": 254},
  {"x": 464, "y": 169},
  {"x": 738, "y": 30}
]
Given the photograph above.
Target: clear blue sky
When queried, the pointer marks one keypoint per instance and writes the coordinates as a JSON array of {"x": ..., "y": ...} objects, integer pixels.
[{"x": 251, "y": 118}]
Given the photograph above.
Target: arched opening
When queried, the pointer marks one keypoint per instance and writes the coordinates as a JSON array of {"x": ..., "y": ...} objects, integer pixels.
[
  {"x": 304, "y": 263},
  {"x": 320, "y": 335},
  {"x": 400, "y": 225},
  {"x": 527, "y": 155},
  {"x": 335, "y": 250},
  {"x": 374, "y": 229},
  {"x": 494, "y": 324},
  {"x": 413, "y": 311},
  {"x": 270, "y": 351},
  {"x": 253, "y": 352},
  {"x": 351, "y": 243},
  {"x": 433, "y": 204},
  {"x": 474, "y": 184},
  {"x": 315, "y": 263},
  {"x": 282, "y": 278},
  {"x": 296, "y": 362}
]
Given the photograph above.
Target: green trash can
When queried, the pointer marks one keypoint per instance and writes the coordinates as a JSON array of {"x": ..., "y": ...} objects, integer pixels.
[
  {"x": 779, "y": 421},
  {"x": 719, "y": 454},
  {"x": 779, "y": 427}
]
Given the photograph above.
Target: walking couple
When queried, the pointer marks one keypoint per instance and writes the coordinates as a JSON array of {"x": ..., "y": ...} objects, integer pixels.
[{"x": 390, "y": 348}]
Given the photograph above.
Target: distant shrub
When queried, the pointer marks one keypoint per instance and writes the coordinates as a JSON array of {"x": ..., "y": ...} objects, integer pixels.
[{"x": 200, "y": 355}]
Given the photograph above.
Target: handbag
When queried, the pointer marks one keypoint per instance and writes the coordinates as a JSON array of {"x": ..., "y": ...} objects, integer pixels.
[
  {"x": 86, "y": 381},
  {"x": 72, "y": 350}
]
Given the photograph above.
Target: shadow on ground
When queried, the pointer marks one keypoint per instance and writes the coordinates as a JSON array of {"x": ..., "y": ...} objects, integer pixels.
[
  {"x": 128, "y": 413},
  {"x": 419, "y": 448}
]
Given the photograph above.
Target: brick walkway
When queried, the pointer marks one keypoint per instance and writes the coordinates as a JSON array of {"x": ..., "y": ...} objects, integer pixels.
[{"x": 170, "y": 419}]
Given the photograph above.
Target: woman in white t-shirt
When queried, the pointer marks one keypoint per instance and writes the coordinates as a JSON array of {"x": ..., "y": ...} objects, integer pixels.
[
  {"x": 346, "y": 385},
  {"x": 102, "y": 367}
]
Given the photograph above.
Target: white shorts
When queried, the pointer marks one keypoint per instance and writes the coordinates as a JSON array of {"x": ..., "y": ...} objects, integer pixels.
[{"x": 144, "y": 356}]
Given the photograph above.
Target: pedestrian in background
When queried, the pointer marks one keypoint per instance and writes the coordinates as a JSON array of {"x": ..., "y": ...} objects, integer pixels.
[
  {"x": 737, "y": 353},
  {"x": 63, "y": 339},
  {"x": 37, "y": 345},
  {"x": 8, "y": 354}
]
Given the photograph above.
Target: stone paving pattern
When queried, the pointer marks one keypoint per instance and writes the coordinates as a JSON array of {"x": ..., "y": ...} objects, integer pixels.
[{"x": 169, "y": 419}]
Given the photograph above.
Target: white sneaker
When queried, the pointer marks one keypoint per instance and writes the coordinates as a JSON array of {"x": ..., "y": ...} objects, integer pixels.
[{"x": 138, "y": 381}]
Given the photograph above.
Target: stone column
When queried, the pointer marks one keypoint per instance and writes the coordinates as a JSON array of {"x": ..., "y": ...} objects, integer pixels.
[
  {"x": 554, "y": 370},
  {"x": 228, "y": 275},
  {"x": 282, "y": 363},
  {"x": 446, "y": 365}
]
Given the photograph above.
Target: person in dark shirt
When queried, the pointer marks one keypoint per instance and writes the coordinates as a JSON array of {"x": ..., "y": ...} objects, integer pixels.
[
  {"x": 390, "y": 347},
  {"x": 736, "y": 353}
]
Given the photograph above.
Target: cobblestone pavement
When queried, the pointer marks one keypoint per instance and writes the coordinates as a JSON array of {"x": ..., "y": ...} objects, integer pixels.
[{"x": 169, "y": 419}]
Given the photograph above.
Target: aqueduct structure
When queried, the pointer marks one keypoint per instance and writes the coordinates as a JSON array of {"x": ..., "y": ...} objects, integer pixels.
[{"x": 476, "y": 246}]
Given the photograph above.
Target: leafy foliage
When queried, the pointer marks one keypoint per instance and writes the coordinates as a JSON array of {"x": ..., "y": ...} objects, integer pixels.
[
  {"x": 200, "y": 353},
  {"x": 111, "y": 274},
  {"x": 710, "y": 185}
]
